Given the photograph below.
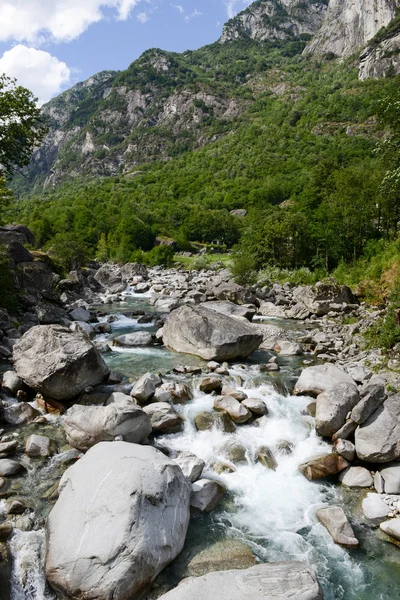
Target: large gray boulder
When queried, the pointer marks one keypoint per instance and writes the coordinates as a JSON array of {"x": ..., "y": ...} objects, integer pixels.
[
  {"x": 110, "y": 278},
  {"x": 334, "y": 519},
  {"x": 320, "y": 378},
  {"x": 333, "y": 406},
  {"x": 271, "y": 581},
  {"x": 377, "y": 440},
  {"x": 203, "y": 332},
  {"x": 231, "y": 310},
  {"x": 121, "y": 517},
  {"x": 319, "y": 298},
  {"x": 57, "y": 362},
  {"x": 86, "y": 426}
]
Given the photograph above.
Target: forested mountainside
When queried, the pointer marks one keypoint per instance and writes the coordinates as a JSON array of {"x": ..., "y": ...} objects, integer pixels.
[{"x": 266, "y": 119}]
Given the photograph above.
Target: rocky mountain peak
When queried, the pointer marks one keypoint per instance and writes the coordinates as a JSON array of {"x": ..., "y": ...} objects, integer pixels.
[
  {"x": 350, "y": 24},
  {"x": 266, "y": 20}
]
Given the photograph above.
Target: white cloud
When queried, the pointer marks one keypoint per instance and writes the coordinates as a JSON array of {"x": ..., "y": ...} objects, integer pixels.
[
  {"x": 36, "y": 70},
  {"x": 235, "y": 6},
  {"x": 193, "y": 15},
  {"x": 142, "y": 17},
  {"x": 35, "y": 21},
  {"x": 179, "y": 8}
]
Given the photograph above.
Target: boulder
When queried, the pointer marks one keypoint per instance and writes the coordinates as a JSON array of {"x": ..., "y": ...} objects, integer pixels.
[
  {"x": 377, "y": 440},
  {"x": 37, "y": 445},
  {"x": 227, "y": 390},
  {"x": 131, "y": 271},
  {"x": 391, "y": 528},
  {"x": 137, "y": 338},
  {"x": 192, "y": 466},
  {"x": 266, "y": 457},
  {"x": 237, "y": 412},
  {"x": 12, "y": 383},
  {"x": 373, "y": 395},
  {"x": 231, "y": 310},
  {"x": 9, "y": 467},
  {"x": 320, "y": 378},
  {"x": 319, "y": 298},
  {"x": 206, "y": 421},
  {"x": 233, "y": 451},
  {"x": 80, "y": 314},
  {"x": 58, "y": 362},
  {"x": 86, "y": 426},
  {"x": 144, "y": 388},
  {"x": 232, "y": 292},
  {"x": 322, "y": 466},
  {"x": 288, "y": 348},
  {"x": 178, "y": 393},
  {"x": 256, "y": 406},
  {"x": 221, "y": 556},
  {"x": 298, "y": 311},
  {"x": 270, "y": 335},
  {"x": 270, "y": 581},
  {"x": 211, "y": 384},
  {"x": 110, "y": 278},
  {"x": 334, "y": 519},
  {"x": 206, "y": 493},
  {"x": 16, "y": 233},
  {"x": 390, "y": 477},
  {"x": 8, "y": 447},
  {"x": 19, "y": 414},
  {"x": 121, "y": 517},
  {"x": 269, "y": 309},
  {"x": 375, "y": 509},
  {"x": 210, "y": 335},
  {"x": 333, "y": 407},
  {"x": 346, "y": 449},
  {"x": 356, "y": 477},
  {"x": 164, "y": 419}
]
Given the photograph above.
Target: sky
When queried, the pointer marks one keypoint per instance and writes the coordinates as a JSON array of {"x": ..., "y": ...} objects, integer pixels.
[{"x": 49, "y": 45}]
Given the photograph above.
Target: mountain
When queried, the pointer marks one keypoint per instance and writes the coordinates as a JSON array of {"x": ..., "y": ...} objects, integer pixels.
[
  {"x": 166, "y": 104},
  {"x": 276, "y": 19},
  {"x": 350, "y": 24}
]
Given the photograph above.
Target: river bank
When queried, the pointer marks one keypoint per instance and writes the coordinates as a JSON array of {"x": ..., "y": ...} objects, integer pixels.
[{"x": 254, "y": 448}]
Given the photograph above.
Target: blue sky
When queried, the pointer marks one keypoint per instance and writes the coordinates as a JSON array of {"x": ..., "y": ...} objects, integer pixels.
[{"x": 49, "y": 45}]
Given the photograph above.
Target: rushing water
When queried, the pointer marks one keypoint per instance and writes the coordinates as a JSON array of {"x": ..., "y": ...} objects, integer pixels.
[{"x": 272, "y": 511}]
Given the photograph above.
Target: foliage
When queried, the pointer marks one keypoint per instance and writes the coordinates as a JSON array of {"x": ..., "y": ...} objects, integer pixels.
[
  {"x": 301, "y": 276},
  {"x": 6, "y": 196},
  {"x": 21, "y": 125},
  {"x": 68, "y": 250},
  {"x": 8, "y": 296}
]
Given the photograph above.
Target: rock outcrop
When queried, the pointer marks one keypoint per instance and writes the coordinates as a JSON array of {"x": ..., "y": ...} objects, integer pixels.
[
  {"x": 275, "y": 581},
  {"x": 275, "y": 20},
  {"x": 121, "y": 517},
  {"x": 57, "y": 362},
  {"x": 378, "y": 439},
  {"x": 350, "y": 24},
  {"x": 205, "y": 333}
]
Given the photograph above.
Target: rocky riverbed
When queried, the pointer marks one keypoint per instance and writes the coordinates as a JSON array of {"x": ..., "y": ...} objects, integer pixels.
[{"x": 159, "y": 425}]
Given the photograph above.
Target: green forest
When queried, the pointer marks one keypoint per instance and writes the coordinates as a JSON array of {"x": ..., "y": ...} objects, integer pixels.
[{"x": 315, "y": 166}]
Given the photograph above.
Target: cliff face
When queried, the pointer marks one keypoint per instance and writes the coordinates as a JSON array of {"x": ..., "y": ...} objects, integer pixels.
[
  {"x": 268, "y": 20},
  {"x": 350, "y": 24},
  {"x": 381, "y": 57}
]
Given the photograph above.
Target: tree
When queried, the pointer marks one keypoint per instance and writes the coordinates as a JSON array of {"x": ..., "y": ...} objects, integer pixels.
[{"x": 22, "y": 127}]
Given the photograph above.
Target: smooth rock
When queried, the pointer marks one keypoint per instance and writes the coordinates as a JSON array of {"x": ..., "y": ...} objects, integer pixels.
[
  {"x": 121, "y": 517},
  {"x": 270, "y": 581},
  {"x": 86, "y": 426},
  {"x": 137, "y": 338},
  {"x": 268, "y": 309},
  {"x": 210, "y": 335},
  {"x": 12, "y": 383},
  {"x": 9, "y": 467},
  {"x": 233, "y": 451},
  {"x": 206, "y": 421},
  {"x": 377, "y": 440},
  {"x": 237, "y": 412},
  {"x": 375, "y": 509},
  {"x": 288, "y": 348},
  {"x": 256, "y": 406},
  {"x": 373, "y": 395},
  {"x": 192, "y": 466},
  {"x": 144, "y": 388},
  {"x": 210, "y": 384},
  {"x": 356, "y": 477},
  {"x": 334, "y": 519},
  {"x": 322, "y": 466},
  {"x": 266, "y": 457},
  {"x": 346, "y": 449},
  {"x": 231, "y": 310},
  {"x": 333, "y": 407},
  {"x": 391, "y": 528},
  {"x": 37, "y": 445},
  {"x": 391, "y": 478},
  {"x": 8, "y": 447},
  {"x": 206, "y": 493},
  {"x": 58, "y": 362},
  {"x": 19, "y": 414},
  {"x": 227, "y": 390},
  {"x": 221, "y": 556},
  {"x": 80, "y": 314},
  {"x": 320, "y": 378},
  {"x": 164, "y": 419}
]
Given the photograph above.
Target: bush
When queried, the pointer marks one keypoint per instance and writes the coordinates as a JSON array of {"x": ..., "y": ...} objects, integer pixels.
[
  {"x": 8, "y": 296},
  {"x": 159, "y": 255},
  {"x": 243, "y": 269}
]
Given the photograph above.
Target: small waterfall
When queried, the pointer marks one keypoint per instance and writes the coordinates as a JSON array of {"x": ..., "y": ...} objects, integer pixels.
[{"x": 28, "y": 581}]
